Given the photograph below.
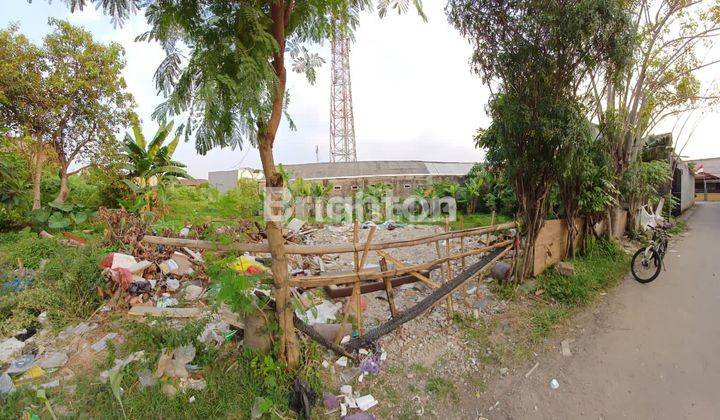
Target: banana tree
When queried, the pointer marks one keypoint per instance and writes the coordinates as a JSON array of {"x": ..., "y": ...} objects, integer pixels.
[{"x": 150, "y": 166}]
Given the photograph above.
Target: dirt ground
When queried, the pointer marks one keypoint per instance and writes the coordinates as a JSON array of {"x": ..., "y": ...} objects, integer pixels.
[{"x": 644, "y": 351}]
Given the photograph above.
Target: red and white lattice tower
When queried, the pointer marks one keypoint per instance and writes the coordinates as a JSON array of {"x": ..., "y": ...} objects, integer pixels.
[{"x": 342, "y": 123}]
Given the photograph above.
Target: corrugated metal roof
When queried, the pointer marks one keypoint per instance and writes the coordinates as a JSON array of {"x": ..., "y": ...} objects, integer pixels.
[
  {"x": 376, "y": 168},
  {"x": 711, "y": 165}
]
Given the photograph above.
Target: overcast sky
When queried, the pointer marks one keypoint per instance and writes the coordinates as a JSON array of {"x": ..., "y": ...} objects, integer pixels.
[{"x": 414, "y": 96}]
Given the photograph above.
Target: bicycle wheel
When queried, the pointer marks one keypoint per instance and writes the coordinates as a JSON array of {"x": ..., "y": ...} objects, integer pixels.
[{"x": 645, "y": 268}]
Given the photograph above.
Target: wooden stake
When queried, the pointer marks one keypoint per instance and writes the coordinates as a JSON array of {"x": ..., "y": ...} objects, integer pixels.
[{"x": 388, "y": 288}]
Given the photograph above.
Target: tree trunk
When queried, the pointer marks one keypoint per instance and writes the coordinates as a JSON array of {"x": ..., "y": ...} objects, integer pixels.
[
  {"x": 64, "y": 188},
  {"x": 38, "y": 161},
  {"x": 289, "y": 350}
]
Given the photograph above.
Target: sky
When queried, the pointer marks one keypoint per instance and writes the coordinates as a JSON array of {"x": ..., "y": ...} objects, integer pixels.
[{"x": 414, "y": 96}]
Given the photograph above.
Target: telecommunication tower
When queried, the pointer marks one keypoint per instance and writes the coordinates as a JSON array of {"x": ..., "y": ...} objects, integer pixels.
[{"x": 342, "y": 123}]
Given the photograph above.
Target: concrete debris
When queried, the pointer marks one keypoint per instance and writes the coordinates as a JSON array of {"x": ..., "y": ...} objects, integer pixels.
[
  {"x": 52, "y": 360},
  {"x": 192, "y": 292},
  {"x": 342, "y": 361},
  {"x": 101, "y": 344},
  {"x": 9, "y": 348},
  {"x": 6, "y": 384},
  {"x": 366, "y": 402},
  {"x": 565, "y": 268},
  {"x": 565, "y": 347}
]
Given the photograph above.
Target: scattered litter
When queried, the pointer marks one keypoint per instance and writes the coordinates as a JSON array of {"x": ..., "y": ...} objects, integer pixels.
[
  {"x": 529, "y": 372},
  {"x": 53, "y": 360},
  {"x": 248, "y": 265},
  {"x": 77, "y": 330},
  {"x": 33, "y": 373},
  {"x": 370, "y": 364},
  {"x": 295, "y": 225},
  {"x": 121, "y": 363},
  {"x": 166, "y": 302},
  {"x": 139, "y": 267},
  {"x": 565, "y": 268},
  {"x": 360, "y": 416},
  {"x": 331, "y": 402},
  {"x": 322, "y": 313},
  {"x": 196, "y": 384},
  {"x": 169, "y": 390},
  {"x": 192, "y": 292},
  {"x": 257, "y": 409},
  {"x": 51, "y": 384},
  {"x": 102, "y": 343},
  {"x": 118, "y": 260},
  {"x": 565, "y": 347},
  {"x": 146, "y": 379},
  {"x": 303, "y": 398},
  {"x": 172, "y": 284},
  {"x": 346, "y": 390},
  {"x": 368, "y": 224},
  {"x": 173, "y": 364},
  {"x": 191, "y": 399},
  {"x": 325, "y": 364},
  {"x": 342, "y": 361},
  {"x": 6, "y": 384},
  {"x": 21, "y": 365},
  {"x": 366, "y": 402},
  {"x": 504, "y": 371},
  {"x": 554, "y": 384}
]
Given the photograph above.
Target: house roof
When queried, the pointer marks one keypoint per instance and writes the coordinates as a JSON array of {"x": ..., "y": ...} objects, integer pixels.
[
  {"x": 193, "y": 182},
  {"x": 333, "y": 170},
  {"x": 710, "y": 165}
]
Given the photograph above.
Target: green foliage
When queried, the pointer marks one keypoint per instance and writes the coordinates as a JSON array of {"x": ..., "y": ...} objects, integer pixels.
[
  {"x": 234, "y": 289},
  {"x": 150, "y": 169},
  {"x": 602, "y": 264},
  {"x": 31, "y": 249},
  {"x": 59, "y": 216},
  {"x": 67, "y": 291},
  {"x": 440, "y": 387},
  {"x": 204, "y": 204},
  {"x": 645, "y": 182}
]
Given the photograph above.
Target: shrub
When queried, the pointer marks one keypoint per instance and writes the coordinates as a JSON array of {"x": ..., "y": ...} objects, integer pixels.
[
  {"x": 66, "y": 288},
  {"x": 31, "y": 249}
]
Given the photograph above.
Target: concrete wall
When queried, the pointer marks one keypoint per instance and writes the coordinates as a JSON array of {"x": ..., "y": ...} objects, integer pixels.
[
  {"x": 403, "y": 186},
  {"x": 223, "y": 180},
  {"x": 687, "y": 193}
]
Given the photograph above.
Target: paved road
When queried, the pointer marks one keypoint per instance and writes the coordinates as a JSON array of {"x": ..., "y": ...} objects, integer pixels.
[{"x": 648, "y": 351}]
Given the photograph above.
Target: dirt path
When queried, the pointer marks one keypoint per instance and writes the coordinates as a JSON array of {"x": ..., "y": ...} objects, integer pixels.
[{"x": 645, "y": 351}]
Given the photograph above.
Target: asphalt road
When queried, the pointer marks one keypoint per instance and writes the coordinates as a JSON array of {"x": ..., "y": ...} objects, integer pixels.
[{"x": 646, "y": 352}]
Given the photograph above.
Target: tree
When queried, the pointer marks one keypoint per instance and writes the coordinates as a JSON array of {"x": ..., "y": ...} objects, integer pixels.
[
  {"x": 535, "y": 55},
  {"x": 150, "y": 166},
  {"x": 25, "y": 109},
  {"x": 673, "y": 44},
  {"x": 68, "y": 96},
  {"x": 232, "y": 83},
  {"x": 89, "y": 100}
]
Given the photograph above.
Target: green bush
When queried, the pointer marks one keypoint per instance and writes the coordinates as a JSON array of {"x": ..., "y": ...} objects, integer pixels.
[
  {"x": 601, "y": 264},
  {"x": 31, "y": 249},
  {"x": 66, "y": 288}
]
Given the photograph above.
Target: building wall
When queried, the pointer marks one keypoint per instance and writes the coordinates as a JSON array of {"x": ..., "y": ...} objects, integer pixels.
[
  {"x": 403, "y": 186},
  {"x": 707, "y": 197},
  {"x": 687, "y": 196},
  {"x": 223, "y": 180}
]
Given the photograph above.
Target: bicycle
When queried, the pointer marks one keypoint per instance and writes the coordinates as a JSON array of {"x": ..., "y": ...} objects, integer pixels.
[{"x": 650, "y": 259}]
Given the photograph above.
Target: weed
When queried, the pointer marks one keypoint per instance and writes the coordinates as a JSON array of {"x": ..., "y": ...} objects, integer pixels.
[
  {"x": 29, "y": 248},
  {"x": 680, "y": 226},
  {"x": 544, "y": 319},
  {"x": 506, "y": 291},
  {"x": 440, "y": 387}
]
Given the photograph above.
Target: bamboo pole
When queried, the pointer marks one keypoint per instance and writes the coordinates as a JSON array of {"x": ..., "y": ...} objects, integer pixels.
[
  {"x": 388, "y": 288},
  {"x": 462, "y": 262},
  {"x": 344, "y": 278},
  {"x": 448, "y": 271},
  {"x": 321, "y": 249},
  {"x": 414, "y": 273},
  {"x": 358, "y": 295}
]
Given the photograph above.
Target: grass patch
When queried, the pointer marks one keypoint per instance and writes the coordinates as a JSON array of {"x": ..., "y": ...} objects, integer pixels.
[
  {"x": 679, "y": 227},
  {"x": 440, "y": 387},
  {"x": 600, "y": 266}
]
